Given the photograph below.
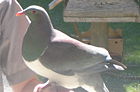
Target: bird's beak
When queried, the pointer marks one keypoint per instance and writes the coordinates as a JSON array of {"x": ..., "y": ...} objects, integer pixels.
[
  {"x": 20, "y": 13},
  {"x": 54, "y": 3}
]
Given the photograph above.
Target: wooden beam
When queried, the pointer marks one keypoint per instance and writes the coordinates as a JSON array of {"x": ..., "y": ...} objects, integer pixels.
[
  {"x": 96, "y": 11},
  {"x": 99, "y": 34},
  {"x": 86, "y": 19}
]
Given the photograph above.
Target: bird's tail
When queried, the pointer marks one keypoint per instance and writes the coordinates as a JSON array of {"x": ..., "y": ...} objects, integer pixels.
[
  {"x": 103, "y": 66},
  {"x": 117, "y": 65}
]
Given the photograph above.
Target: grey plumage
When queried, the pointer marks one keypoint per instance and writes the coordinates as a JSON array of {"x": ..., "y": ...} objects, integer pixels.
[{"x": 64, "y": 60}]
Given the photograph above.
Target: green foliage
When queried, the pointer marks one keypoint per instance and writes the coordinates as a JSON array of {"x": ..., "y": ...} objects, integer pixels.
[{"x": 133, "y": 87}]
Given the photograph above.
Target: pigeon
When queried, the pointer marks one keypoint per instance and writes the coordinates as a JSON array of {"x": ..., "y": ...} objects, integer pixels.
[
  {"x": 59, "y": 57},
  {"x": 54, "y": 3}
]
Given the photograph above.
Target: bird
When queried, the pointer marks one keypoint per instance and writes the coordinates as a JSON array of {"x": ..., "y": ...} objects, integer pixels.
[
  {"x": 54, "y": 3},
  {"x": 60, "y": 58}
]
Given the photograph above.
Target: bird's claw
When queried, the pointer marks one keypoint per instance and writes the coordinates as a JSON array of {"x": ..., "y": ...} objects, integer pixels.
[
  {"x": 39, "y": 87},
  {"x": 71, "y": 91}
]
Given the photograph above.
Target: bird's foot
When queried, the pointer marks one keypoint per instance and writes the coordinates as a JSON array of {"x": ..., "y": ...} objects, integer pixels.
[{"x": 39, "y": 87}]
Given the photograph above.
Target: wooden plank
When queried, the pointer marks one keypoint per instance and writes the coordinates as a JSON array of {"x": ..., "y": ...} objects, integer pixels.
[
  {"x": 77, "y": 32},
  {"x": 86, "y": 19},
  {"x": 138, "y": 19},
  {"x": 115, "y": 46},
  {"x": 117, "y": 33},
  {"x": 95, "y": 11},
  {"x": 99, "y": 34},
  {"x": 82, "y": 36}
]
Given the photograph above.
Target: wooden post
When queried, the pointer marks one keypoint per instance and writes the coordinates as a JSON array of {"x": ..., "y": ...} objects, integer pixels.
[
  {"x": 78, "y": 33},
  {"x": 99, "y": 35}
]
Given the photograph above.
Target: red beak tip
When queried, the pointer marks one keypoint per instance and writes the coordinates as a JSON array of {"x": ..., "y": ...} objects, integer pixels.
[{"x": 19, "y": 14}]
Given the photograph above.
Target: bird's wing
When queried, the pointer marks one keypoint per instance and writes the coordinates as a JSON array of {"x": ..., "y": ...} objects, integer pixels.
[{"x": 70, "y": 56}]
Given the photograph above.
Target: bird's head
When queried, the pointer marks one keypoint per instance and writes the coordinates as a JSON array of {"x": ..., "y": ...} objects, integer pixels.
[{"x": 32, "y": 12}]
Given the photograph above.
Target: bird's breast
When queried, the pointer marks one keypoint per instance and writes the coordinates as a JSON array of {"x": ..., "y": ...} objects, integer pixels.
[{"x": 63, "y": 80}]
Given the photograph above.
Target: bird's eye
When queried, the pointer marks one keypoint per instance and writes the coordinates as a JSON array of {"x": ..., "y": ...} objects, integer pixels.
[{"x": 33, "y": 12}]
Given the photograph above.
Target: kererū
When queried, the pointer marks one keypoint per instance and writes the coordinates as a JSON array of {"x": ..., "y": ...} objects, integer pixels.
[{"x": 62, "y": 59}]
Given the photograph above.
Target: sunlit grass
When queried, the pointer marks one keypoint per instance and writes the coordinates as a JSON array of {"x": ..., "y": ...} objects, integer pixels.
[{"x": 134, "y": 87}]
